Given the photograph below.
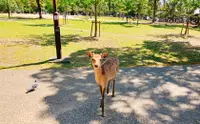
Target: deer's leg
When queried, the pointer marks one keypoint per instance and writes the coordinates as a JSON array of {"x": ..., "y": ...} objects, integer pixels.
[
  {"x": 108, "y": 87},
  {"x": 113, "y": 91},
  {"x": 102, "y": 101},
  {"x": 100, "y": 87}
]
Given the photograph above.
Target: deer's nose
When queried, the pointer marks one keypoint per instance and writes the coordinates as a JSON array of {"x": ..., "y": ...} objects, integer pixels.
[{"x": 95, "y": 66}]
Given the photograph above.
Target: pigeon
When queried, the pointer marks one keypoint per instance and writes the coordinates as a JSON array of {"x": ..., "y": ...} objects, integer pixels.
[{"x": 33, "y": 87}]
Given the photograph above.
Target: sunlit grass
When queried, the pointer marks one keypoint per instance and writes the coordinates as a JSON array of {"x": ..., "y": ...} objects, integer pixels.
[{"x": 29, "y": 43}]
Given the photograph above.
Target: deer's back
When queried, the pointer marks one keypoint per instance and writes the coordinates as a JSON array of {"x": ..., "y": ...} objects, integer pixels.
[{"x": 110, "y": 68}]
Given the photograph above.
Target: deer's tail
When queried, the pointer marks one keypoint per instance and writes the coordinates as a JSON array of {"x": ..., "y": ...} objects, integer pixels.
[{"x": 117, "y": 68}]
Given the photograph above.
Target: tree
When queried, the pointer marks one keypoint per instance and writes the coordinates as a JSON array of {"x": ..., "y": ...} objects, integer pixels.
[
  {"x": 8, "y": 6},
  {"x": 188, "y": 7},
  {"x": 39, "y": 8},
  {"x": 140, "y": 8},
  {"x": 154, "y": 10},
  {"x": 87, "y": 6},
  {"x": 95, "y": 16},
  {"x": 119, "y": 6},
  {"x": 48, "y": 6},
  {"x": 64, "y": 6}
]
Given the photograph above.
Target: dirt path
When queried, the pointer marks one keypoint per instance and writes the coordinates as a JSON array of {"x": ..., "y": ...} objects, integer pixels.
[{"x": 143, "y": 95}]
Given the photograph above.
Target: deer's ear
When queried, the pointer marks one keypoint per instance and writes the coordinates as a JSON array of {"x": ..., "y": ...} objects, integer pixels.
[
  {"x": 104, "y": 55},
  {"x": 89, "y": 54}
]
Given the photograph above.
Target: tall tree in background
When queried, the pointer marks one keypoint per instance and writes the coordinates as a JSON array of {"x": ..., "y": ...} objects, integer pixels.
[
  {"x": 128, "y": 7},
  {"x": 87, "y": 6},
  {"x": 96, "y": 5},
  {"x": 154, "y": 10},
  {"x": 8, "y": 8},
  {"x": 189, "y": 7},
  {"x": 39, "y": 8},
  {"x": 64, "y": 6},
  {"x": 197, "y": 6},
  {"x": 168, "y": 9},
  {"x": 140, "y": 8},
  {"x": 95, "y": 17}
]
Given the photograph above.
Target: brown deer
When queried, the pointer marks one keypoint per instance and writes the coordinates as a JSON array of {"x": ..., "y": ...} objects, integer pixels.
[{"x": 105, "y": 72}]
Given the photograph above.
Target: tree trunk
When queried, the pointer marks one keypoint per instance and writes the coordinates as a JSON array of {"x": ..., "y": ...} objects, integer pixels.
[
  {"x": 165, "y": 16},
  {"x": 65, "y": 17},
  {"x": 9, "y": 13},
  {"x": 198, "y": 22},
  {"x": 187, "y": 27},
  {"x": 154, "y": 11},
  {"x": 109, "y": 6},
  {"x": 137, "y": 22},
  {"x": 86, "y": 13},
  {"x": 164, "y": 3},
  {"x": 39, "y": 9},
  {"x": 182, "y": 29},
  {"x": 95, "y": 16},
  {"x": 90, "y": 15},
  {"x": 138, "y": 19},
  {"x": 127, "y": 19},
  {"x": 8, "y": 8}
]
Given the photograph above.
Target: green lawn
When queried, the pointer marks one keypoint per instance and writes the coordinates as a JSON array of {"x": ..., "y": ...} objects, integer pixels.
[{"x": 29, "y": 43}]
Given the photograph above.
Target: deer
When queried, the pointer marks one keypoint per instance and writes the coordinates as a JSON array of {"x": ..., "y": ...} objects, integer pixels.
[{"x": 105, "y": 71}]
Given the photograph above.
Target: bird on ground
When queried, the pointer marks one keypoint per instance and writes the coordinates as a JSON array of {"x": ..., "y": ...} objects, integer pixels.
[{"x": 33, "y": 87}]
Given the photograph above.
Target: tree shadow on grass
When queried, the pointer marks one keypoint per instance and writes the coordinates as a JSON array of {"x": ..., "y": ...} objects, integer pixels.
[
  {"x": 143, "y": 95},
  {"x": 49, "y": 39},
  {"x": 150, "y": 53},
  {"x": 40, "y": 25},
  {"x": 173, "y": 51},
  {"x": 114, "y": 23},
  {"x": 19, "y": 18},
  {"x": 124, "y": 24},
  {"x": 24, "y": 18},
  {"x": 166, "y": 26},
  {"x": 196, "y": 29},
  {"x": 171, "y": 36}
]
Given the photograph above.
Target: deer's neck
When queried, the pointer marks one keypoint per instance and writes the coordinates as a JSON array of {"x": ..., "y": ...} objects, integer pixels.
[{"x": 98, "y": 74}]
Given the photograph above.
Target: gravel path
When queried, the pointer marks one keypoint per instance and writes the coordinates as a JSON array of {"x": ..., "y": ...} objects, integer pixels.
[{"x": 146, "y": 95}]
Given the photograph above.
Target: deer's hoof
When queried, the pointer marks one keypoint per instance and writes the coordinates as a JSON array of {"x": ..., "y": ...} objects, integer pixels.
[
  {"x": 113, "y": 95},
  {"x": 102, "y": 115},
  {"x": 107, "y": 91}
]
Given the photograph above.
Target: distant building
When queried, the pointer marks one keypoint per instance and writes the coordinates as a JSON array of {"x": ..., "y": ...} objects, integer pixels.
[{"x": 197, "y": 11}]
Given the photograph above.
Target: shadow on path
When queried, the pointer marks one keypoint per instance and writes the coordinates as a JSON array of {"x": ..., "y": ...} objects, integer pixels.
[{"x": 143, "y": 95}]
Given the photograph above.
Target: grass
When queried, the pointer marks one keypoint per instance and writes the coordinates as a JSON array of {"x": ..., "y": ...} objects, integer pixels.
[{"x": 29, "y": 43}]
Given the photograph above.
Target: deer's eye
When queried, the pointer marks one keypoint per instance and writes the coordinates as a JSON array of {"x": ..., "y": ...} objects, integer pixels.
[{"x": 93, "y": 60}]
